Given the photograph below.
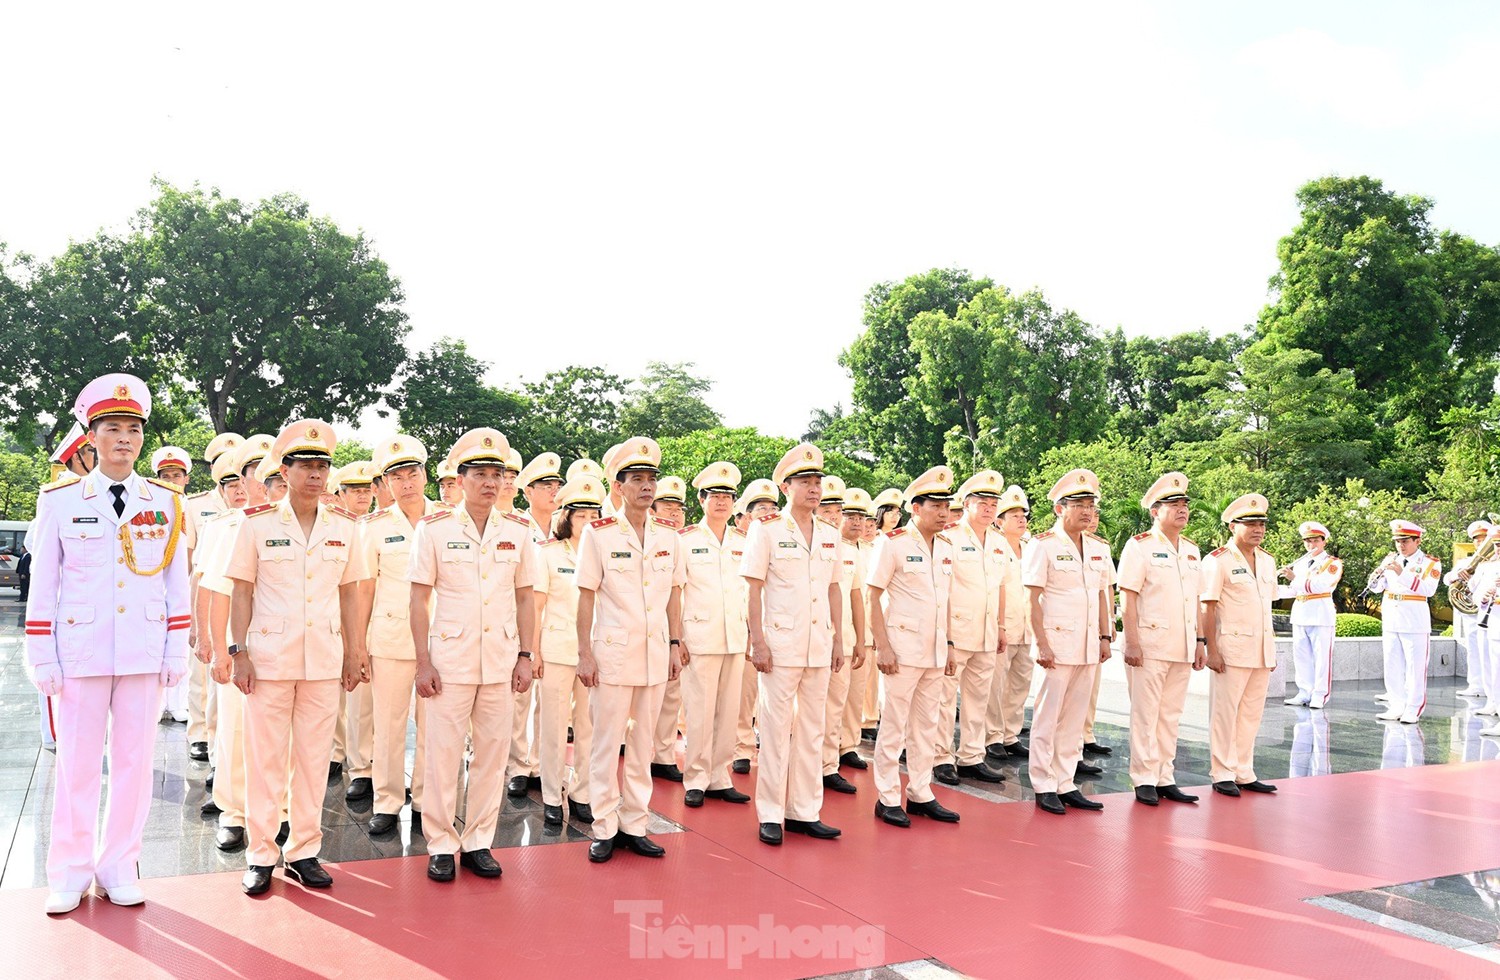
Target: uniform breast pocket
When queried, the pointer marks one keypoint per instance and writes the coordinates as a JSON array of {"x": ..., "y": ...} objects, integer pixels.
[
  {"x": 457, "y": 559},
  {"x": 84, "y": 545},
  {"x": 156, "y": 624},
  {"x": 661, "y": 563},
  {"x": 338, "y": 554},
  {"x": 73, "y": 627},
  {"x": 700, "y": 556},
  {"x": 277, "y": 564},
  {"x": 506, "y": 561}
]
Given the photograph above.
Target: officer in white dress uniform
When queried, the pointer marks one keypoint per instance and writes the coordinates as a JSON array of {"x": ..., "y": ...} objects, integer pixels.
[
  {"x": 1410, "y": 579},
  {"x": 1467, "y": 624},
  {"x": 106, "y": 629},
  {"x": 1313, "y": 577}
]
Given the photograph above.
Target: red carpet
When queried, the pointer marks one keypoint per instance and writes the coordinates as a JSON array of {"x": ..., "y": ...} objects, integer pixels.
[{"x": 1207, "y": 891}]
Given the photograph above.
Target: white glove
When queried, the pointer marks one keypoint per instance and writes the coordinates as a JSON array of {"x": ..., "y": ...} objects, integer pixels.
[
  {"x": 48, "y": 678},
  {"x": 172, "y": 673}
]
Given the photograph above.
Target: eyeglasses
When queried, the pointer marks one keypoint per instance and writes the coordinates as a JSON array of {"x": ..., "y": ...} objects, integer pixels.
[{"x": 1084, "y": 505}]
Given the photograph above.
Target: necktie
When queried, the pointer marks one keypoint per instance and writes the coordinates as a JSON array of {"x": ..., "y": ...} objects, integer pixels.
[{"x": 119, "y": 493}]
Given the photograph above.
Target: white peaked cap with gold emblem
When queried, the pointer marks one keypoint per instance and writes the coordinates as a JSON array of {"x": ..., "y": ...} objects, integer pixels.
[
  {"x": 1074, "y": 483},
  {"x": 1251, "y": 508},
  {"x": 936, "y": 483},
  {"x": 113, "y": 394},
  {"x": 833, "y": 490},
  {"x": 720, "y": 477},
  {"x": 1167, "y": 488},
  {"x": 857, "y": 501},
  {"x": 671, "y": 488},
  {"x": 543, "y": 466},
  {"x": 985, "y": 483},
  {"x": 803, "y": 459},
  {"x": 399, "y": 451}
]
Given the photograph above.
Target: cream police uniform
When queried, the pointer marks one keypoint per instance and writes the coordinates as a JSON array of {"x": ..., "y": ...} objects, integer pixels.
[
  {"x": 1241, "y": 587},
  {"x": 1466, "y": 625},
  {"x": 856, "y": 563},
  {"x": 914, "y": 578},
  {"x": 1314, "y": 577},
  {"x": 755, "y": 492},
  {"x": 980, "y": 565},
  {"x": 800, "y": 579},
  {"x": 354, "y": 732},
  {"x": 1066, "y": 587},
  {"x": 851, "y": 579},
  {"x": 1011, "y": 685},
  {"x": 1406, "y": 627},
  {"x": 294, "y": 642},
  {"x": 632, "y": 578},
  {"x": 202, "y": 704},
  {"x": 563, "y": 699},
  {"x": 481, "y": 580},
  {"x": 106, "y": 629},
  {"x": 1160, "y": 581},
  {"x": 669, "y": 719},
  {"x": 385, "y": 542},
  {"x": 891, "y": 497},
  {"x": 714, "y": 629},
  {"x": 522, "y": 766}
]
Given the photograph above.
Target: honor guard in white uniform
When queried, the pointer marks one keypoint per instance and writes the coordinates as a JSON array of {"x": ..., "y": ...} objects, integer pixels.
[
  {"x": 472, "y": 655},
  {"x": 73, "y": 459},
  {"x": 910, "y": 583},
  {"x": 354, "y": 735},
  {"x": 1239, "y": 584},
  {"x": 563, "y": 700},
  {"x": 715, "y": 635},
  {"x": 1067, "y": 572},
  {"x": 669, "y": 506},
  {"x": 854, "y": 525},
  {"x": 106, "y": 629},
  {"x": 1011, "y": 685},
  {"x": 1484, "y": 586},
  {"x": 294, "y": 620},
  {"x": 200, "y": 507},
  {"x": 1160, "y": 580},
  {"x": 792, "y": 563},
  {"x": 759, "y": 500},
  {"x": 1410, "y": 578},
  {"x": 1466, "y": 625},
  {"x": 629, "y": 627},
  {"x": 384, "y": 543},
  {"x": 981, "y": 563},
  {"x": 540, "y": 481},
  {"x": 1313, "y": 577}
]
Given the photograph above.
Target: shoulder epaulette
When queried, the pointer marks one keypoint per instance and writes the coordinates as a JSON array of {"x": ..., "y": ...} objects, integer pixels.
[
  {"x": 896, "y": 533},
  {"x": 66, "y": 480},
  {"x": 513, "y": 516},
  {"x": 940, "y": 536},
  {"x": 602, "y": 522},
  {"x": 1096, "y": 537},
  {"x": 1043, "y": 536},
  {"x": 200, "y": 493},
  {"x": 663, "y": 522},
  {"x": 687, "y": 530},
  {"x": 259, "y": 509},
  {"x": 1143, "y": 536},
  {"x": 164, "y": 484},
  {"x": 949, "y": 527},
  {"x": 769, "y": 518},
  {"x": 552, "y": 541},
  {"x": 1264, "y": 552},
  {"x": 343, "y": 513},
  {"x": 1217, "y": 552},
  {"x": 735, "y": 530},
  {"x": 375, "y": 516},
  {"x": 1189, "y": 541},
  {"x": 436, "y": 515}
]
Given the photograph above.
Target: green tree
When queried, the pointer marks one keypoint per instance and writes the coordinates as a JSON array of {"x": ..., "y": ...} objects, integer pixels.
[
  {"x": 578, "y": 411},
  {"x": 20, "y": 476},
  {"x": 1150, "y": 378},
  {"x": 1125, "y": 471},
  {"x": 441, "y": 395},
  {"x": 668, "y": 399}
]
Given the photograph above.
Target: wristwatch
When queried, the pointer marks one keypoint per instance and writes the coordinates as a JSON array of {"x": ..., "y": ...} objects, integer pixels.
[
  {"x": 524, "y": 653},
  {"x": 675, "y": 643},
  {"x": 235, "y": 649}
]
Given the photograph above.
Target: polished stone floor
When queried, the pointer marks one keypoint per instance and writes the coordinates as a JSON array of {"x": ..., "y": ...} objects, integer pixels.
[{"x": 1459, "y": 911}]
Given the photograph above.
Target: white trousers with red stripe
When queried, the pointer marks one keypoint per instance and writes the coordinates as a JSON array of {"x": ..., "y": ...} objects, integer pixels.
[
  {"x": 1312, "y": 662},
  {"x": 1406, "y": 670}
]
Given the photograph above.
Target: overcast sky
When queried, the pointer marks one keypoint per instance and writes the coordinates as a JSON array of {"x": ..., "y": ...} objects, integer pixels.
[{"x": 612, "y": 184}]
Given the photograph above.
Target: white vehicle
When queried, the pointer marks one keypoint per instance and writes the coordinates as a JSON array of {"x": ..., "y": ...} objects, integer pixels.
[{"x": 12, "y": 536}]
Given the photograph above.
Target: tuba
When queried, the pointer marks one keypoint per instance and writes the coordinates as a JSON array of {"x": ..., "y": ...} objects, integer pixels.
[{"x": 1459, "y": 596}]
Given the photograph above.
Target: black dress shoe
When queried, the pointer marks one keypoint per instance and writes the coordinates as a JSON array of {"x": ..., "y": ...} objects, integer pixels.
[
  {"x": 481, "y": 862},
  {"x": 1094, "y": 748},
  {"x": 383, "y": 823},
  {"x": 693, "y": 798},
  {"x": 360, "y": 789},
  {"x": 1017, "y": 751},
  {"x": 893, "y": 815},
  {"x": 208, "y": 781},
  {"x": 257, "y": 880},
  {"x": 310, "y": 873},
  {"x": 1147, "y": 795},
  {"x": 868, "y": 734},
  {"x": 640, "y": 844},
  {"x": 1227, "y": 788},
  {"x": 1171, "y": 792},
  {"x": 516, "y": 788},
  {"x": 1256, "y": 787},
  {"x": 853, "y": 761},
  {"x": 440, "y": 867},
  {"x": 945, "y": 774},
  {"x": 728, "y": 795},
  {"x": 552, "y": 815},
  {"x": 209, "y": 808},
  {"x": 838, "y": 784},
  {"x": 198, "y": 751},
  {"x": 667, "y": 771},
  {"x": 1025, "y": 730},
  {"x": 534, "y": 782},
  {"x": 283, "y": 833},
  {"x": 995, "y": 750},
  {"x": 741, "y": 767},
  {"x": 230, "y": 838},
  {"x": 812, "y": 828},
  {"x": 770, "y": 833},
  {"x": 335, "y": 770},
  {"x": 982, "y": 773},
  {"x": 416, "y": 824},
  {"x": 582, "y": 812},
  {"x": 601, "y": 850},
  {"x": 933, "y": 810},
  {"x": 1084, "y": 769},
  {"x": 1078, "y": 801},
  {"x": 1049, "y": 802}
]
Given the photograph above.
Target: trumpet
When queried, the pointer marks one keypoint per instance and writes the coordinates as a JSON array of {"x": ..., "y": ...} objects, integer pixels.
[{"x": 1376, "y": 581}]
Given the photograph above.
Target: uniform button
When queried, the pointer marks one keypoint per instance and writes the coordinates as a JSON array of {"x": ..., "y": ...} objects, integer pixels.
[
  {"x": 70, "y": 619},
  {"x": 486, "y": 629},
  {"x": 486, "y": 575},
  {"x": 309, "y": 622},
  {"x": 486, "y": 602},
  {"x": 119, "y": 561},
  {"x": 117, "y": 609},
  {"x": 120, "y": 584},
  {"x": 309, "y": 578}
]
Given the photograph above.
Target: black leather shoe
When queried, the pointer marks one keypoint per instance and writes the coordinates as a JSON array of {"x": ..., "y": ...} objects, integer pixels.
[
  {"x": 642, "y": 845},
  {"x": 1078, "y": 801},
  {"x": 982, "y": 773},
  {"x": 995, "y": 750},
  {"x": 481, "y": 862},
  {"x": 853, "y": 761},
  {"x": 741, "y": 767},
  {"x": 601, "y": 850},
  {"x": 230, "y": 838},
  {"x": 868, "y": 734},
  {"x": 838, "y": 784},
  {"x": 770, "y": 833},
  {"x": 1017, "y": 751},
  {"x": 335, "y": 770},
  {"x": 728, "y": 795},
  {"x": 945, "y": 774},
  {"x": 360, "y": 789},
  {"x": 667, "y": 771},
  {"x": 552, "y": 816},
  {"x": 1256, "y": 787},
  {"x": 1147, "y": 795},
  {"x": 310, "y": 873},
  {"x": 1084, "y": 769},
  {"x": 1227, "y": 788},
  {"x": 283, "y": 833},
  {"x": 1049, "y": 802},
  {"x": 693, "y": 798},
  {"x": 933, "y": 810},
  {"x": 440, "y": 867},
  {"x": 1171, "y": 792},
  {"x": 208, "y": 781},
  {"x": 1025, "y": 730},
  {"x": 893, "y": 815},
  {"x": 209, "y": 808},
  {"x": 582, "y": 812},
  {"x": 383, "y": 823},
  {"x": 198, "y": 751},
  {"x": 257, "y": 880},
  {"x": 812, "y": 828},
  {"x": 1094, "y": 748},
  {"x": 516, "y": 788}
]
